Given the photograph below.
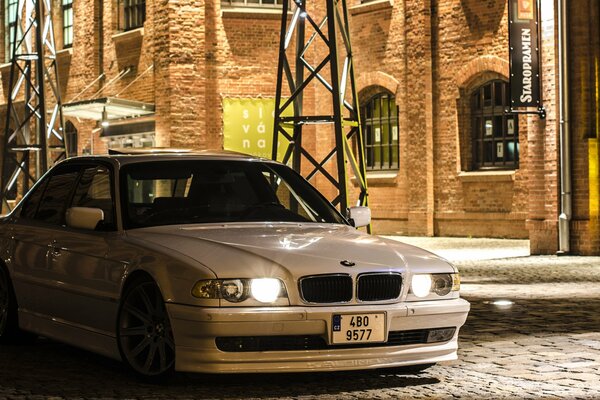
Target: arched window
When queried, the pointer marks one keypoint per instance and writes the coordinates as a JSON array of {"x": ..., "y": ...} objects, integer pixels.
[
  {"x": 380, "y": 129},
  {"x": 495, "y": 134}
]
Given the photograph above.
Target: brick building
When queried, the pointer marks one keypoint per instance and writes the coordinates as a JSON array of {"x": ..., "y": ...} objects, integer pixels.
[{"x": 443, "y": 157}]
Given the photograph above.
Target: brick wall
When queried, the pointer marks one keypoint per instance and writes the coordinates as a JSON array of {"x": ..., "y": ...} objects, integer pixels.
[
  {"x": 430, "y": 54},
  {"x": 584, "y": 48}
]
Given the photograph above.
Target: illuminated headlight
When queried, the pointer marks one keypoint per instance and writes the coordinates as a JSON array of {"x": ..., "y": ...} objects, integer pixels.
[
  {"x": 264, "y": 290},
  {"x": 440, "y": 284},
  {"x": 421, "y": 285}
]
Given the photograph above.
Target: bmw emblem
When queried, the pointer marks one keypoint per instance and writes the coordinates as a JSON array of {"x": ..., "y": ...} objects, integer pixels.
[{"x": 347, "y": 263}]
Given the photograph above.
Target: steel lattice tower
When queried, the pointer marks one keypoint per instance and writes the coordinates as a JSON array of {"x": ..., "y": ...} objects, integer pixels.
[
  {"x": 34, "y": 130},
  {"x": 345, "y": 115}
]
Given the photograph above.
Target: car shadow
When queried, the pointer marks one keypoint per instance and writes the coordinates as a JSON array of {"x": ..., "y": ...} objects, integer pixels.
[{"x": 51, "y": 369}]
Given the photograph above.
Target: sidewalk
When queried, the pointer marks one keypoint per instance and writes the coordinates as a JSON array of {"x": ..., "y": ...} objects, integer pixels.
[
  {"x": 533, "y": 329},
  {"x": 463, "y": 249},
  {"x": 503, "y": 268}
]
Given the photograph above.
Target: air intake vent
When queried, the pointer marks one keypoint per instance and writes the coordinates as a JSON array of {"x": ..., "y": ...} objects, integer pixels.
[
  {"x": 326, "y": 289},
  {"x": 379, "y": 286},
  {"x": 313, "y": 342}
]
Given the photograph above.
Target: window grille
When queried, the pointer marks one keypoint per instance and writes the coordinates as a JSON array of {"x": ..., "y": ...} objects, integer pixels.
[
  {"x": 495, "y": 134},
  {"x": 380, "y": 130}
]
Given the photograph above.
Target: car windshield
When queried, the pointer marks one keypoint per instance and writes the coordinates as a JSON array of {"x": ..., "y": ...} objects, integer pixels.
[{"x": 214, "y": 191}]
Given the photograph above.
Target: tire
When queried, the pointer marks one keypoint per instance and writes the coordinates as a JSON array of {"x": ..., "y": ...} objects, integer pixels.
[
  {"x": 9, "y": 320},
  {"x": 144, "y": 333}
]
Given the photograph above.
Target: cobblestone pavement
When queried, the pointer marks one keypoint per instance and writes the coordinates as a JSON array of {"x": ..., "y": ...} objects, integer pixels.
[{"x": 543, "y": 341}]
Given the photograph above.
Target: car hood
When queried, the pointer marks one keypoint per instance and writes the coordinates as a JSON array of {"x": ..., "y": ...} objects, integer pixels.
[{"x": 285, "y": 250}]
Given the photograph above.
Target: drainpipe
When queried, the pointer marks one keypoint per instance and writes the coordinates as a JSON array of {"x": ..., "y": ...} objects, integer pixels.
[{"x": 564, "y": 218}]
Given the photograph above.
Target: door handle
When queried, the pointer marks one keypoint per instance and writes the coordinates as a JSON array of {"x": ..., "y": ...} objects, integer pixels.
[{"x": 54, "y": 250}]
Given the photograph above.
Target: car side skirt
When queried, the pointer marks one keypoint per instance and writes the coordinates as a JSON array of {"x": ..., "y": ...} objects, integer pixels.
[{"x": 71, "y": 334}]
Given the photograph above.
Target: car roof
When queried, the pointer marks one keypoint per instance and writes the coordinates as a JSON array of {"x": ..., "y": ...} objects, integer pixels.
[{"x": 137, "y": 155}]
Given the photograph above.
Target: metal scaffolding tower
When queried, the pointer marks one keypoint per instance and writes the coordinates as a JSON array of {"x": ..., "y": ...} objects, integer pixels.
[
  {"x": 345, "y": 113},
  {"x": 34, "y": 130}
]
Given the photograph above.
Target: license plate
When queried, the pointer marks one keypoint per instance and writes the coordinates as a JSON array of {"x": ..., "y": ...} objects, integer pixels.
[{"x": 358, "y": 328}]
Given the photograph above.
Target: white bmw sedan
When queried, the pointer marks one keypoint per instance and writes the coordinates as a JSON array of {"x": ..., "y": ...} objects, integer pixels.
[{"x": 218, "y": 263}]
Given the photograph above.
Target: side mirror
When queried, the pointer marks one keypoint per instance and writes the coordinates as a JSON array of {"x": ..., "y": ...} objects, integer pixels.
[
  {"x": 359, "y": 216},
  {"x": 84, "y": 217}
]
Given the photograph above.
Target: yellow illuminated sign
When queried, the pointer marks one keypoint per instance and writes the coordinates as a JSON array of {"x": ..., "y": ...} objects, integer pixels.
[{"x": 248, "y": 126}]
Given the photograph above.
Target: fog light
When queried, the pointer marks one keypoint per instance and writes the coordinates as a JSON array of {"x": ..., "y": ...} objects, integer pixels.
[{"x": 440, "y": 335}]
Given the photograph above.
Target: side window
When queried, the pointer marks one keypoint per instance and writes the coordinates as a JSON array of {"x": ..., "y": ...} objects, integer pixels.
[
  {"x": 60, "y": 185},
  {"x": 94, "y": 190},
  {"x": 31, "y": 203}
]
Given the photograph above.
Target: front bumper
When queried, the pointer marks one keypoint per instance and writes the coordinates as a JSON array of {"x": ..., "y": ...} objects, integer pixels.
[{"x": 195, "y": 330}]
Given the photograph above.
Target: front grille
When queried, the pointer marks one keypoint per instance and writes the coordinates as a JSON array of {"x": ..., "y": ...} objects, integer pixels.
[
  {"x": 379, "y": 286},
  {"x": 326, "y": 289},
  {"x": 242, "y": 344}
]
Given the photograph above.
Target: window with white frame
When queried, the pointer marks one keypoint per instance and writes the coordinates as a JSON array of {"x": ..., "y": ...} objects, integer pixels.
[
  {"x": 67, "y": 13},
  {"x": 10, "y": 27}
]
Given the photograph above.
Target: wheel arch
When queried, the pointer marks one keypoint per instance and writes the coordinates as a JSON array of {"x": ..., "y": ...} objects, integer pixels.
[
  {"x": 5, "y": 268},
  {"x": 131, "y": 278}
]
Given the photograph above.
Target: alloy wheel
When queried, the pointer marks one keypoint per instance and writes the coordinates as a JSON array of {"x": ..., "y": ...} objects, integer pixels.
[{"x": 144, "y": 331}]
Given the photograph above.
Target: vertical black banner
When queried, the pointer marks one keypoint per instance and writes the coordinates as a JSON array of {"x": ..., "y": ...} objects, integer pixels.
[{"x": 524, "y": 53}]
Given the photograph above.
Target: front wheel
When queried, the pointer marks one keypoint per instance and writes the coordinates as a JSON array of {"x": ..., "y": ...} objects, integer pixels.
[{"x": 144, "y": 331}]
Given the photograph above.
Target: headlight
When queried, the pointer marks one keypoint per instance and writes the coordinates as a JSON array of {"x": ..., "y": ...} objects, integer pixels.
[
  {"x": 440, "y": 284},
  {"x": 421, "y": 285},
  {"x": 264, "y": 290},
  {"x": 234, "y": 290}
]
